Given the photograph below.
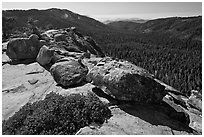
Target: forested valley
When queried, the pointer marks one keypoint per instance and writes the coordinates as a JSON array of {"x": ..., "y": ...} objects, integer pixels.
[{"x": 174, "y": 61}]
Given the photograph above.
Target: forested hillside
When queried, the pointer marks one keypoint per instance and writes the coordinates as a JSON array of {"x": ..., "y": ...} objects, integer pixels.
[
  {"x": 170, "y": 48},
  {"x": 53, "y": 19},
  {"x": 180, "y": 27},
  {"x": 174, "y": 61}
]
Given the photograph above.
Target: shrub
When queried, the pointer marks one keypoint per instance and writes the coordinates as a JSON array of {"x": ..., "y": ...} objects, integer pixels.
[{"x": 57, "y": 114}]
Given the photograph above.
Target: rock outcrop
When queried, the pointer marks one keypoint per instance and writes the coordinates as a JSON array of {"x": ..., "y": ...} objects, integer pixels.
[
  {"x": 125, "y": 81},
  {"x": 72, "y": 41},
  {"x": 70, "y": 63},
  {"x": 23, "y": 48}
]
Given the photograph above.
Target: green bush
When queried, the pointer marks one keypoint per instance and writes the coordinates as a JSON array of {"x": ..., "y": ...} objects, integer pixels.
[{"x": 57, "y": 114}]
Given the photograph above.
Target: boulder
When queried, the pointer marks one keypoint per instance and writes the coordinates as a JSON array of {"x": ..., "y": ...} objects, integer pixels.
[
  {"x": 195, "y": 100},
  {"x": 125, "y": 81},
  {"x": 23, "y": 48},
  {"x": 44, "y": 56},
  {"x": 68, "y": 72}
]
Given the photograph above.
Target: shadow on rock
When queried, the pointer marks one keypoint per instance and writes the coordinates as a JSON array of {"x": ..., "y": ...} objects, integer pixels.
[
  {"x": 100, "y": 93},
  {"x": 163, "y": 114},
  {"x": 73, "y": 86},
  {"x": 25, "y": 62},
  {"x": 47, "y": 67},
  {"x": 159, "y": 114},
  {"x": 156, "y": 114}
]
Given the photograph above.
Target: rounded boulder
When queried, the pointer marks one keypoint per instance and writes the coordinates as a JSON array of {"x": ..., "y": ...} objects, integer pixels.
[
  {"x": 68, "y": 72},
  {"x": 45, "y": 55},
  {"x": 23, "y": 48}
]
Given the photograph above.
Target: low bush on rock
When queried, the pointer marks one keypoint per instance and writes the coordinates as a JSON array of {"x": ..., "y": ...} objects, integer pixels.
[{"x": 57, "y": 114}]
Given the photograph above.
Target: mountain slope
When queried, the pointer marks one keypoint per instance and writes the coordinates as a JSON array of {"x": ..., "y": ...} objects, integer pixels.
[
  {"x": 124, "y": 25},
  {"x": 182, "y": 27},
  {"x": 58, "y": 18}
]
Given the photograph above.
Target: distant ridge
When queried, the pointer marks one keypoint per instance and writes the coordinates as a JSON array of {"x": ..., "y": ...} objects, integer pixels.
[
  {"x": 135, "y": 20},
  {"x": 182, "y": 27},
  {"x": 58, "y": 18}
]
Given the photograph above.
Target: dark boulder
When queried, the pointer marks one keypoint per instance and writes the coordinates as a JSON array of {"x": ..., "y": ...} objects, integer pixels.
[
  {"x": 23, "y": 48},
  {"x": 68, "y": 72}
]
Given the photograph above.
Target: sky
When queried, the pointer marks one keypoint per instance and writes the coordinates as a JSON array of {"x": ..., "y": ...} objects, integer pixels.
[{"x": 113, "y": 10}]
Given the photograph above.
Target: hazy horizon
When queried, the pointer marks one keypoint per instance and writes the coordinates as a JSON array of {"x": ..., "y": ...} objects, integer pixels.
[{"x": 103, "y": 11}]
